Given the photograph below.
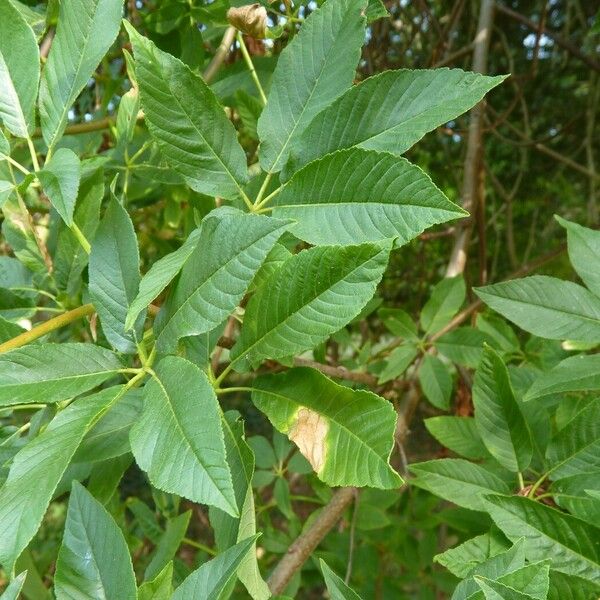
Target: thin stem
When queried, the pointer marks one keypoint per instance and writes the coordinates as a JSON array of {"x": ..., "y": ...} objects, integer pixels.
[
  {"x": 247, "y": 200},
  {"x": 250, "y": 64},
  {"x": 521, "y": 482},
  {"x": 268, "y": 198},
  {"x": 263, "y": 189},
  {"x": 15, "y": 164},
  {"x": 81, "y": 238},
  {"x": 536, "y": 485},
  {"x": 34, "y": 160},
  {"x": 231, "y": 390},
  {"x": 47, "y": 327},
  {"x": 199, "y": 546}
]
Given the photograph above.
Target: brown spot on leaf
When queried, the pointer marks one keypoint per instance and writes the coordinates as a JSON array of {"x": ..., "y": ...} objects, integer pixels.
[{"x": 308, "y": 433}]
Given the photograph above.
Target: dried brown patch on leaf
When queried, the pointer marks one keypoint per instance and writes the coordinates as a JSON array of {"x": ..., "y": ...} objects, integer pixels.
[{"x": 309, "y": 433}]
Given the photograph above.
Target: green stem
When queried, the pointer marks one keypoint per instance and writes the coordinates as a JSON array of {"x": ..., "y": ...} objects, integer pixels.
[
  {"x": 199, "y": 546},
  {"x": 536, "y": 485},
  {"x": 14, "y": 163},
  {"x": 251, "y": 68},
  {"x": 231, "y": 390},
  {"x": 263, "y": 189},
  {"x": 268, "y": 198},
  {"x": 34, "y": 160},
  {"x": 81, "y": 238},
  {"x": 521, "y": 482},
  {"x": 47, "y": 327}
]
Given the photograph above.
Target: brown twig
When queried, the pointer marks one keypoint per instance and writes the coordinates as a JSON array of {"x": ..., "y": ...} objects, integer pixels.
[
  {"x": 306, "y": 543},
  {"x": 566, "y": 44}
]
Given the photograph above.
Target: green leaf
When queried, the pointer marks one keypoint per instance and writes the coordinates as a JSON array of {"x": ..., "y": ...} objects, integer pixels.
[
  {"x": 160, "y": 274},
  {"x": 168, "y": 544},
  {"x": 435, "y": 381},
  {"x": 576, "y": 494},
  {"x": 457, "y": 480},
  {"x": 70, "y": 258},
  {"x": 532, "y": 579},
  {"x": 391, "y": 111},
  {"x": 498, "y": 415},
  {"x": 574, "y": 374},
  {"x": 575, "y": 449},
  {"x": 86, "y": 30},
  {"x": 212, "y": 578},
  {"x": 495, "y": 566},
  {"x": 314, "y": 293},
  {"x": 547, "y": 307},
  {"x": 570, "y": 543},
  {"x": 458, "y": 434},
  {"x": 6, "y": 190},
  {"x": 229, "y": 530},
  {"x": 178, "y": 439},
  {"x": 19, "y": 71},
  {"x": 346, "y": 435},
  {"x": 397, "y": 362},
  {"x": 231, "y": 249},
  {"x": 569, "y": 587},
  {"x": 445, "y": 301},
  {"x": 60, "y": 181},
  {"x": 357, "y": 196},
  {"x": 37, "y": 469},
  {"x": 52, "y": 372},
  {"x": 494, "y": 590},
  {"x": 336, "y": 587},
  {"x": 160, "y": 588},
  {"x": 105, "y": 477},
  {"x": 502, "y": 337},
  {"x": 463, "y": 345},
  {"x": 316, "y": 67},
  {"x": 186, "y": 119},
  {"x": 462, "y": 559},
  {"x": 584, "y": 253},
  {"x": 114, "y": 274},
  {"x": 109, "y": 438},
  {"x": 400, "y": 323},
  {"x": 93, "y": 561},
  {"x": 13, "y": 589}
]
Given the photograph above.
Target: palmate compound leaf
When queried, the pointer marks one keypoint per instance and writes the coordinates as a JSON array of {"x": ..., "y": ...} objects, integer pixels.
[
  {"x": 390, "y": 112},
  {"x": 178, "y": 439},
  {"x": 572, "y": 544},
  {"x": 19, "y": 71},
  {"x": 356, "y": 196},
  {"x": 93, "y": 560},
  {"x": 86, "y": 29},
  {"x": 346, "y": 435},
  {"x": 184, "y": 116},
  {"x": 37, "y": 469},
  {"x": 212, "y": 579},
  {"x": 316, "y": 67},
  {"x": 547, "y": 307},
  {"x": 498, "y": 415},
  {"x": 312, "y": 295},
  {"x": 52, "y": 372},
  {"x": 231, "y": 249},
  {"x": 114, "y": 274},
  {"x": 230, "y": 530}
]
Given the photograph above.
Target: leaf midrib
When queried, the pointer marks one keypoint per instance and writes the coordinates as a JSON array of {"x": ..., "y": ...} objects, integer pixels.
[
  {"x": 329, "y": 419},
  {"x": 312, "y": 299},
  {"x": 169, "y": 403}
]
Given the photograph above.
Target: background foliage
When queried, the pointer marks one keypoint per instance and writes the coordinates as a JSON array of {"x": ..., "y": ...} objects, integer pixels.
[{"x": 460, "y": 396}]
